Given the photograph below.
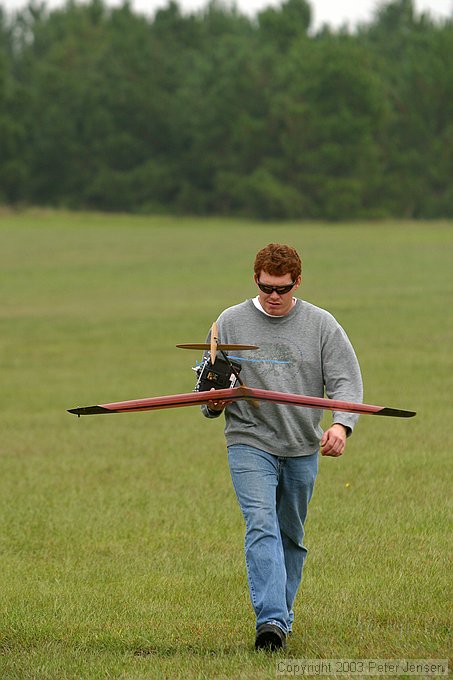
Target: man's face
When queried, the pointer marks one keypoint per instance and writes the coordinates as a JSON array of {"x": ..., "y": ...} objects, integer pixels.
[{"x": 275, "y": 303}]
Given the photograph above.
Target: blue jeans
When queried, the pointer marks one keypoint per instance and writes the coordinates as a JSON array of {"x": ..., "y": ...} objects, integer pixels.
[{"x": 273, "y": 495}]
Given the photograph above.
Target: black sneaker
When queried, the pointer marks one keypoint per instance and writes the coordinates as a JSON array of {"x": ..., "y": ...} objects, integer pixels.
[{"x": 270, "y": 637}]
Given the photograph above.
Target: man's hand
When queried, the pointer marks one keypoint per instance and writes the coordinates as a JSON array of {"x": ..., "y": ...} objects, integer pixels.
[
  {"x": 333, "y": 441},
  {"x": 216, "y": 405}
]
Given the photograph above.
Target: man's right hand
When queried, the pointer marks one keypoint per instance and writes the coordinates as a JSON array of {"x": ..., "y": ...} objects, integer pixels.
[{"x": 216, "y": 405}]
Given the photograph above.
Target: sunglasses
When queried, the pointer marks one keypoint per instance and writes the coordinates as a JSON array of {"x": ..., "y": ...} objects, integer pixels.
[{"x": 280, "y": 290}]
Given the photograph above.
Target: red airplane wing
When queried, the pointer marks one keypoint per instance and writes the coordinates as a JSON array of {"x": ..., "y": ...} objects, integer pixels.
[{"x": 234, "y": 394}]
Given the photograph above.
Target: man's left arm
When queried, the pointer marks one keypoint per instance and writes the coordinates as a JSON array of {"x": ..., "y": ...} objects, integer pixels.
[{"x": 343, "y": 381}]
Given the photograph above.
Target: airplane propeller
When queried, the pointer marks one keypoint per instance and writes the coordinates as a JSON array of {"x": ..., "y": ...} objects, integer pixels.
[{"x": 214, "y": 342}]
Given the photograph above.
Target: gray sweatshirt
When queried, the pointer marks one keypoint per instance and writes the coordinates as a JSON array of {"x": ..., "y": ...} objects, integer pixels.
[{"x": 304, "y": 352}]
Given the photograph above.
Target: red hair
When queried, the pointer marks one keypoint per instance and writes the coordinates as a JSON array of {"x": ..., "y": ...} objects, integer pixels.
[{"x": 277, "y": 259}]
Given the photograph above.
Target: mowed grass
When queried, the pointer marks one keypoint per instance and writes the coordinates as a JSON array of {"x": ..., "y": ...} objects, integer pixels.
[{"x": 121, "y": 540}]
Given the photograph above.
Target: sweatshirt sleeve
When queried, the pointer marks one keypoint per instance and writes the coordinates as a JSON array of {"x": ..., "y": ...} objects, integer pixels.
[{"x": 341, "y": 372}]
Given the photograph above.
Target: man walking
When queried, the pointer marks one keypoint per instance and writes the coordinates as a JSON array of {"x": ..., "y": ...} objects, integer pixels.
[{"x": 273, "y": 450}]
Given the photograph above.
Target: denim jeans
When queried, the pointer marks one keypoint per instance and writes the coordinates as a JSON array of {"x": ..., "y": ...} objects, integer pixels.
[{"x": 273, "y": 495}]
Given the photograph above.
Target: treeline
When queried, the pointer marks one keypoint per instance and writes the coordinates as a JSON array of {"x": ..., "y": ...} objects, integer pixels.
[{"x": 217, "y": 113}]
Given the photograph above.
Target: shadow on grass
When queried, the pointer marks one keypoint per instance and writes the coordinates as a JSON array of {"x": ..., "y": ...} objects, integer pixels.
[{"x": 187, "y": 649}]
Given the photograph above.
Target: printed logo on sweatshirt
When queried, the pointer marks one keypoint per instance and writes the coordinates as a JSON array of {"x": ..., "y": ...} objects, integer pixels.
[{"x": 272, "y": 359}]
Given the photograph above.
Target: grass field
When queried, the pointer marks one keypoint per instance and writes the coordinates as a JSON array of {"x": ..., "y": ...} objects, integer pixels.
[{"x": 121, "y": 541}]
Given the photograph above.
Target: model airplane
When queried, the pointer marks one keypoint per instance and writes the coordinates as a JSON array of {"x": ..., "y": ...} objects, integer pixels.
[{"x": 223, "y": 374}]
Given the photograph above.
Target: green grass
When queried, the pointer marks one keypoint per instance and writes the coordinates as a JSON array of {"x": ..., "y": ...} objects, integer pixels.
[{"x": 121, "y": 540}]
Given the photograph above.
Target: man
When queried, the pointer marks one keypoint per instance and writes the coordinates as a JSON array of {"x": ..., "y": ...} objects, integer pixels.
[{"x": 273, "y": 449}]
